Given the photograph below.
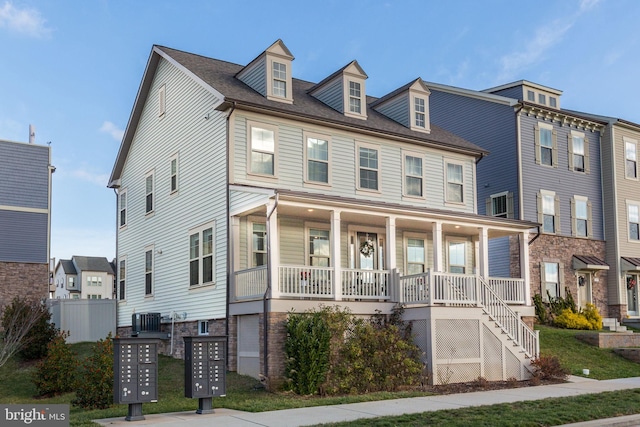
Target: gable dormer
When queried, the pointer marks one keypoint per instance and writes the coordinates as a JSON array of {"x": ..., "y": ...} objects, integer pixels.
[
  {"x": 530, "y": 92},
  {"x": 344, "y": 91},
  {"x": 407, "y": 105},
  {"x": 270, "y": 73}
]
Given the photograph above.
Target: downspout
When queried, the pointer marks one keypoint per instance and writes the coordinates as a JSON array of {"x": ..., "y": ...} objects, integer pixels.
[
  {"x": 535, "y": 237},
  {"x": 117, "y": 272},
  {"x": 229, "y": 234},
  {"x": 265, "y": 307},
  {"x": 519, "y": 153}
]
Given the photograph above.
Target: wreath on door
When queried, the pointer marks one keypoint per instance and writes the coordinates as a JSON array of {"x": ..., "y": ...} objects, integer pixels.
[
  {"x": 631, "y": 282},
  {"x": 367, "y": 248}
]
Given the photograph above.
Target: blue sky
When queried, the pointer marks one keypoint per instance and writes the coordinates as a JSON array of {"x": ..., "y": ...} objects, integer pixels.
[{"x": 72, "y": 67}]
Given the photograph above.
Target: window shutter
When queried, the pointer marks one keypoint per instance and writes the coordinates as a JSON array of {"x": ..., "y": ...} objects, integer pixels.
[
  {"x": 488, "y": 207},
  {"x": 539, "y": 203},
  {"x": 561, "y": 279},
  {"x": 574, "y": 220},
  {"x": 557, "y": 214},
  {"x": 589, "y": 221},
  {"x": 570, "y": 149},
  {"x": 554, "y": 142},
  {"x": 510, "y": 213},
  {"x": 543, "y": 286},
  {"x": 586, "y": 155},
  {"x": 536, "y": 139}
]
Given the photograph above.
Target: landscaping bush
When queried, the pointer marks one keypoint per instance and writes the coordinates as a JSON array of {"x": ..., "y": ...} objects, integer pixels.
[
  {"x": 34, "y": 345},
  {"x": 94, "y": 388},
  {"x": 570, "y": 320},
  {"x": 593, "y": 316},
  {"x": 549, "y": 368},
  {"x": 55, "y": 374}
]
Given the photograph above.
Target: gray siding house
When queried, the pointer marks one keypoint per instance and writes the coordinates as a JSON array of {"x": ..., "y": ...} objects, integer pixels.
[
  {"x": 543, "y": 166},
  {"x": 25, "y": 216},
  {"x": 244, "y": 193}
]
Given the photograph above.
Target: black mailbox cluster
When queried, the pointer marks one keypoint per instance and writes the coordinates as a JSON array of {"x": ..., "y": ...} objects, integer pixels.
[
  {"x": 205, "y": 369},
  {"x": 136, "y": 373}
]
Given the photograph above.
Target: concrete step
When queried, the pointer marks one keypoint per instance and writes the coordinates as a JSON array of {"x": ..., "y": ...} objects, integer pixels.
[{"x": 609, "y": 324}]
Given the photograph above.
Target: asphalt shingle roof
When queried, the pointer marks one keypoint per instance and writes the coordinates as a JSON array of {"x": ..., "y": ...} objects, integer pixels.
[{"x": 88, "y": 263}]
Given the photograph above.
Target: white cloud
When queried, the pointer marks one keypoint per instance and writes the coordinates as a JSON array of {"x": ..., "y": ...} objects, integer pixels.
[
  {"x": 112, "y": 130},
  {"x": 586, "y": 5},
  {"x": 23, "y": 21}
]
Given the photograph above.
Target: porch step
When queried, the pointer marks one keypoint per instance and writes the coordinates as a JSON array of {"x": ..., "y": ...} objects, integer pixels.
[{"x": 610, "y": 324}]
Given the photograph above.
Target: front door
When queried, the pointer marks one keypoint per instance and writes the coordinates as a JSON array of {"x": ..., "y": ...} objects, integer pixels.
[
  {"x": 584, "y": 289},
  {"x": 631, "y": 281},
  {"x": 368, "y": 255}
]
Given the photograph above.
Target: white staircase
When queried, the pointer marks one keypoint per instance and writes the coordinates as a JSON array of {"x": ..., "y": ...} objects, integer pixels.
[{"x": 610, "y": 324}]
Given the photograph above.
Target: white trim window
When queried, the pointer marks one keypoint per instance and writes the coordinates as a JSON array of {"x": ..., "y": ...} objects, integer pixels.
[
  {"x": 149, "y": 191},
  {"x": 531, "y": 96},
  {"x": 581, "y": 214},
  {"x": 500, "y": 205},
  {"x": 548, "y": 211},
  {"x": 355, "y": 97},
  {"x": 319, "y": 248},
  {"x": 553, "y": 103},
  {"x": 578, "y": 152},
  {"x": 631, "y": 159},
  {"x": 633, "y": 215},
  {"x": 279, "y": 79},
  {"x": 457, "y": 256},
  {"x": 368, "y": 167},
  {"x": 542, "y": 99},
  {"x": 162, "y": 101},
  {"x": 551, "y": 278},
  {"x": 413, "y": 175},
  {"x": 201, "y": 255},
  {"x": 546, "y": 146},
  {"x": 94, "y": 281},
  {"x": 419, "y": 112},
  {"x": 258, "y": 244},
  {"x": 416, "y": 255},
  {"x": 317, "y": 159},
  {"x": 203, "y": 327},
  {"x": 122, "y": 279},
  {"x": 173, "y": 174},
  {"x": 455, "y": 182},
  {"x": 262, "y": 149},
  {"x": 148, "y": 271},
  {"x": 122, "y": 208}
]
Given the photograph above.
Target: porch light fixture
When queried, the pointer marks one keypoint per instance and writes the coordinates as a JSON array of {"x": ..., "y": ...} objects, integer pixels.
[
  {"x": 457, "y": 226},
  {"x": 309, "y": 210}
]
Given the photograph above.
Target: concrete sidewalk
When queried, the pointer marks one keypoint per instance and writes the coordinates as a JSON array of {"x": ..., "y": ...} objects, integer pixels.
[{"x": 353, "y": 411}]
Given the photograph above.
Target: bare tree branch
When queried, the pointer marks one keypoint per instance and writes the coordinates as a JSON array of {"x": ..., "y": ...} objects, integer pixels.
[{"x": 17, "y": 326}]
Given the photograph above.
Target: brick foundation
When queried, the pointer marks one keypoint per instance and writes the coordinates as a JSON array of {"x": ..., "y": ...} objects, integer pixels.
[{"x": 25, "y": 280}]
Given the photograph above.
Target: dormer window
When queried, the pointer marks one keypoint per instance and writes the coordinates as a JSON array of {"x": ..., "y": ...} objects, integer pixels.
[
  {"x": 531, "y": 96},
  {"x": 542, "y": 99},
  {"x": 355, "y": 98},
  {"x": 279, "y": 79},
  {"x": 419, "y": 112},
  {"x": 553, "y": 102}
]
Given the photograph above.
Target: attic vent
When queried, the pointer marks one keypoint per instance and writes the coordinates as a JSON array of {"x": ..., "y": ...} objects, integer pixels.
[{"x": 144, "y": 322}]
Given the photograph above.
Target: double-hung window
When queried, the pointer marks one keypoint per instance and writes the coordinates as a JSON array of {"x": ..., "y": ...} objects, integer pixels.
[
  {"x": 550, "y": 272},
  {"x": 201, "y": 258},
  {"x": 455, "y": 183},
  {"x": 581, "y": 208},
  {"x": 368, "y": 168},
  {"x": 578, "y": 152},
  {"x": 413, "y": 175},
  {"x": 631, "y": 159},
  {"x": 122, "y": 197},
  {"x": 149, "y": 192},
  {"x": 457, "y": 257},
  {"x": 173, "y": 174},
  {"x": 319, "y": 248},
  {"x": 263, "y": 150},
  {"x": 355, "y": 97},
  {"x": 419, "y": 106},
  {"x": 122, "y": 278},
  {"x": 317, "y": 159},
  {"x": 531, "y": 96},
  {"x": 542, "y": 99},
  {"x": 279, "y": 79},
  {"x": 545, "y": 145},
  {"x": 416, "y": 252},
  {"x": 633, "y": 212},
  {"x": 148, "y": 271},
  {"x": 258, "y": 244},
  {"x": 498, "y": 205},
  {"x": 548, "y": 211}
]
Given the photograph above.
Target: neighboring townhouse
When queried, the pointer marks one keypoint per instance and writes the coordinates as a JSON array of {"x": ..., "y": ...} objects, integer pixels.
[
  {"x": 245, "y": 194},
  {"x": 544, "y": 166},
  {"x": 83, "y": 277},
  {"x": 25, "y": 220}
]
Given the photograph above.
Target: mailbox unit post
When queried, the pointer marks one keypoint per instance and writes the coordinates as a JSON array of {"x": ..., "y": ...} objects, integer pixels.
[
  {"x": 205, "y": 369},
  {"x": 135, "y": 367}
]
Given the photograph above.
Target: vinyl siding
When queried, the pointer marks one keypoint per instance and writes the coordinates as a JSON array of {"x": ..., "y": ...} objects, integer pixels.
[
  {"x": 290, "y": 165},
  {"x": 292, "y": 241},
  {"x": 627, "y": 189},
  {"x": 256, "y": 76},
  {"x": 614, "y": 218},
  {"x": 397, "y": 109},
  {"x": 499, "y": 260},
  {"x": 512, "y": 92},
  {"x": 23, "y": 236},
  {"x": 560, "y": 179},
  {"x": 244, "y": 200},
  {"x": 200, "y": 199},
  {"x": 24, "y": 175},
  {"x": 332, "y": 94}
]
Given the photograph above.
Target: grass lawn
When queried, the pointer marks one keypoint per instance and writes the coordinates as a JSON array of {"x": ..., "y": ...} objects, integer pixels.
[{"x": 244, "y": 393}]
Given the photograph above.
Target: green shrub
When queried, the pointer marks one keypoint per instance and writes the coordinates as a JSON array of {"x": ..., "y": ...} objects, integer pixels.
[
  {"x": 41, "y": 333},
  {"x": 307, "y": 350},
  {"x": 590, "y": 312},
  {"x": 94, "y": 388},
  {"x": 55, "y": 373},
  {"x": 548, "y": 368}
]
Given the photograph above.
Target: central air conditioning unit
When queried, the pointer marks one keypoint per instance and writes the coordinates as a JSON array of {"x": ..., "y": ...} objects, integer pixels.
[{"x": 144, "y": 324}]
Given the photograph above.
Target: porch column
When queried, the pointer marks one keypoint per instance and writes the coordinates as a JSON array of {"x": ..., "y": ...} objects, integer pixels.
[
  {"x": 391, "y": 243},
  {"x": 524, "y": 266},
  {"x": 235, "y": 253},
  {"x": 438, "y": 256},
  {"x": 273, "y": 249},
  {"x": 335, "y": 254},
  {"x": 483, "y": 252}
]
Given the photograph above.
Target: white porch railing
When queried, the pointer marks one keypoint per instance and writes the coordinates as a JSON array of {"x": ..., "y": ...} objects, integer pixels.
[
  {"x": 302, "y": 281},
  {"x": 510, "y": 290},
  {"x": 458, "y": 289},
  {"x": 365, "y": 284},
  {"x": 250, "y": 283}
]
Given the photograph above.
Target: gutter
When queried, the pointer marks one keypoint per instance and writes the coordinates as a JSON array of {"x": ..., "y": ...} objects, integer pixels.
[
  {"x": 536, "y": 236},
  {"x": 265, "y": 304}
]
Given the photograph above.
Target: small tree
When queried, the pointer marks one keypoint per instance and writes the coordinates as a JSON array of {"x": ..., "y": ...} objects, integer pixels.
[
  {"x": 55, "y": 374},
  {"x": 94, "y": 388},
  {"x": 18, "y": 321}
]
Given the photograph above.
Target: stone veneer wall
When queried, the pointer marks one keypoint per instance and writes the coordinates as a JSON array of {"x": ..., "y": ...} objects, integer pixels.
[
  {"x": 23, "y": 279},
  {"x": 276, "y": 357},
  {"x": 551, "y": 248}
]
